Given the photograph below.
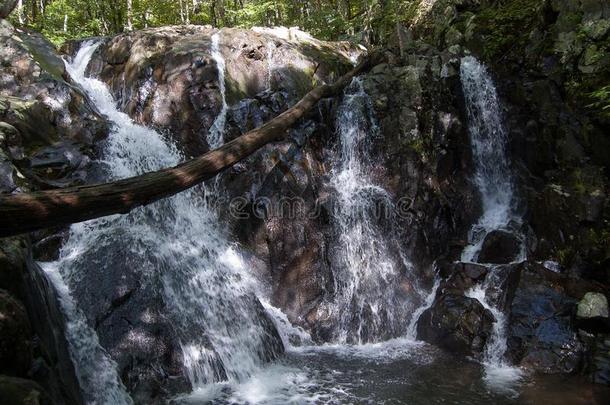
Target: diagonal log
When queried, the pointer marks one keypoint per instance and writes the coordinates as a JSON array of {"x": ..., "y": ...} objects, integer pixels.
[{"x": 25, "y": 212}]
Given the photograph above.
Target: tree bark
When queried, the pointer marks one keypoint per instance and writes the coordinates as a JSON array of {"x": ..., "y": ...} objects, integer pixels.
[
  {"x": 129, "y": 15},
  {"x": 25, "y": 212}
]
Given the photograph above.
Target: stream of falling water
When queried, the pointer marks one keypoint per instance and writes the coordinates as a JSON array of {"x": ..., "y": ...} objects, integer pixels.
[
  {"x": 488, "y": 139},
  {"x": 225, "y": 325},
  {"x": 368, "y": 303},
  {"x": 179, "y": 242},
  {"x": 270, "y": 63},
  {"x": 494, "y": 180},
  {"x": 218, "y": 126}
]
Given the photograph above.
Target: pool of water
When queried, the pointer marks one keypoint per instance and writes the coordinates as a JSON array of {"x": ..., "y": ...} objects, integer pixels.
[{"x": 394, "y": 372}]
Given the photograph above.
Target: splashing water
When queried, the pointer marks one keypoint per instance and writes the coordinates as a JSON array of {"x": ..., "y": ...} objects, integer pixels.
[
  {"x": 488, "y": 138},
  {"x": 178, "y": 243},
  {"x": 499, "y": 374},
  {"x": 427, "y": 304},
  {"x": 493, "y": 177},
  {"x": 95, "y": 370},
  {"x": 370, "y": 302},
  {"x": 218, "y": 126}
]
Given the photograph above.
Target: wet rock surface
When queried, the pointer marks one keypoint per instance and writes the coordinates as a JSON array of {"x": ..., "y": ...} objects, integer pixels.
[
  {"x": 15, "y": 337},
  {"x": 499, "y": 247},
  {"x": 541, "y": 333},
  {"x": 456, "y": 323},
  {"x": 167, "y": 78}
]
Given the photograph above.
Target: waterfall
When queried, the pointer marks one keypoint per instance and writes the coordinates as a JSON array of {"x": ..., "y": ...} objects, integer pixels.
[
  {"x": 218, "y": 126},
  {"x": 488, "y": 139},
  {"x": 368, "y": 303},
  {"x": 179, "y": 247},
  {"x": 270, "y": 63},
  {"x": 427, "y": 304},
  {"x": 95, "y": 370},
  {"x": 494, "y": 180},
  {"x": 499, "y": 373}
]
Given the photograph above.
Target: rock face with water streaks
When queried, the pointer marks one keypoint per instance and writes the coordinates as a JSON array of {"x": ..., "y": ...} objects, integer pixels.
[
  {"x": 541, "y": 333},
  {"x": 48, "y": 131},
  {"x": 167, "y": 77}
]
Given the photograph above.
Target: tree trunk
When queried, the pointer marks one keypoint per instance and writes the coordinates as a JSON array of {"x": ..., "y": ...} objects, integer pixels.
[
  {"x": 129, "y": 15},
  {"x": 24, "y": 212}
]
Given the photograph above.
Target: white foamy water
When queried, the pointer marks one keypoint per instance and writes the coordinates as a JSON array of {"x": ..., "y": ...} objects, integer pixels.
[
  {"x": 177, "y": 242},
  {"x": 499, "y": 373},
  {"x": 488, "y": 139},
  {"x": 270, "y": 63},
  {"x": 494, "y": 180},
  {"x": 372, "y": 295},
  {"x": 95, "y": 370},
  {"x": 218, "y": 126}
]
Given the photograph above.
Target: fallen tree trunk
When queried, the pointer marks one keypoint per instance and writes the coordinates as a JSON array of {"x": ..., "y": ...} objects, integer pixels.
[{"x": 25, "y": 212}]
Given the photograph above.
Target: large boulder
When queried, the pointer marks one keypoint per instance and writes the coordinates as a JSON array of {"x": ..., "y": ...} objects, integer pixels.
[
  {"x": 15, "y": 337},
  {"x": 47, "y": 127},
  {"x": 540, "y": 333},
  {"x": 168, "y": 77},
  {"x": 499, "y": 247},
  {"x": 457, "y": 323}
]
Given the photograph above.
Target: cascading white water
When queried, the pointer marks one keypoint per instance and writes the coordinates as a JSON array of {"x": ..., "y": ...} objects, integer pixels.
[
  {"x": 488, "y": 139},
  {"x": 368, "y": 303},
  {"x": 177, "y": 242},
  {"x": 218, "y": 126},
  {"x": 270, "y": 63},
  {"x": 95, "y": 370},
  {"x": 499, "y": 373},
  {"x": 494, "y": 179},
  {"x": 427, "y": 304}
]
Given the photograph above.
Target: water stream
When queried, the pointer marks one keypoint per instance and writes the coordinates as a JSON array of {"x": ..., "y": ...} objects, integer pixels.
[
  {"x": 218, "y": 126},
  {"x": 225, "y": 325},
  {"x": 270, "y": 63},
  {"x": 370, "y": 301},
  {"x": 488, "y": 138},
  {"x": 494, "y": 179},
  {"x": 177, "y": 243}
]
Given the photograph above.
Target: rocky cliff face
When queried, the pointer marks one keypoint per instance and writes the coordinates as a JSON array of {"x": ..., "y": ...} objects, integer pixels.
[
  {"x": 168, "y": 78},
  {"x": 548, "y": 59},
  {"x": 48, "y": 133}
]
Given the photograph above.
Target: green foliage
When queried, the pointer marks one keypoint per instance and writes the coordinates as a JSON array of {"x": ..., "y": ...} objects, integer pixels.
[
  {"x": 59, "y": 20},
  {"x": 506, "y": 26},
  {"x": 601, "y": 102}
]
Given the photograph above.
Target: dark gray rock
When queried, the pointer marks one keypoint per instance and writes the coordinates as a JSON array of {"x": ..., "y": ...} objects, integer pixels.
[
  {"x": 456, "y": 323},
  {"x": 540, "y": 333},
  {"x": 53, "y": 368},
  {"x": 15, "y": 337},
  {"x": 499, "y": 247}
]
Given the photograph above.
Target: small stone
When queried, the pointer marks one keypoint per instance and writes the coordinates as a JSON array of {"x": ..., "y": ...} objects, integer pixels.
[{"x": 593, "y": 305}]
